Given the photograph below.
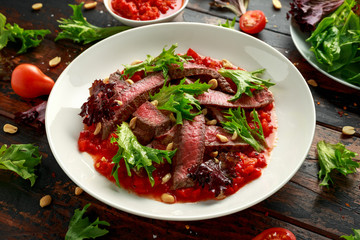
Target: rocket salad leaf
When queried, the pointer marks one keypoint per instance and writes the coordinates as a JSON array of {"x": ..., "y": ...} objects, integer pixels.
[
  {"x": 135, "y": 155},
  {"x": 81, "y": 228},
  {"x": 180, "y": 100},
  {"x": 79, "y": 30},
  {"x": 356, "y": 235},
  {"x": 238, "y": 123},
  {"x": 21, "y": 159},
  {"x": 335, "y": 156},
  {"x": 245, "y": 81},
  {"x": 159, "y": 63}
]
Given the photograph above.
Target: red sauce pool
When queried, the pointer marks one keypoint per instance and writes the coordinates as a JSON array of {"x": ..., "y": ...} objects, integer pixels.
[
  {"x": 248, "y": 168},
  {"x": 144, "y": 10}
]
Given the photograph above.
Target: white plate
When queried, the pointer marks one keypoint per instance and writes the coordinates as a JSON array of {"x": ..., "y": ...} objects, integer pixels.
[
  {"x": 303, "y": 47},
  {"x": 294, "y": 108}
]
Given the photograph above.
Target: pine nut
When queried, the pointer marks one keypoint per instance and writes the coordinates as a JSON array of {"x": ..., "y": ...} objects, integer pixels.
[
  {"x": 172, "y": 117},
  {"x": 222, "y": 138},
  {"x": 167, "y": 198},
  {"x": 136, "y": 62},
  {"x": 106, "y": 80},
  {"x": 166, "y": 178},
  {"x": 78, "y": 191},
  {"x": 155, "y": 103},
  {"x": 312, "y": 82},
  {"x": 45, "y": 201},
  {"x": 227, "y": 64},
  {"x": 276, "y": 4},
  {"x": 170, "y": 146},
  {"x": 214, "y": 83},
  {"x": 129, "y": 81},
  {"x": 103, "y": 159},
  {"x": 132, "y": 123},
  {"x": 37, "y": 6},
  {"x": 214, "y": 154},
  {"x": 119, "y": 102},
  {"x": 55, "y": 61},
  {"x": 234, "y": 136},
  {"x": 348, "y": 130},
  {"x": 90, "y": 5},
  {"x": 211, "y": 122},
  {"x": 98, "y": 128},
  {"x": 216, "y": 160},
  {"x": 8, "y": 128},
  {"x": 204, "y": 111}
]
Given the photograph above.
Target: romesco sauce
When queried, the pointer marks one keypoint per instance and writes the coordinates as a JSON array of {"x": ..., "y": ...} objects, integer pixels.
[{"x": 144, "y": 10}]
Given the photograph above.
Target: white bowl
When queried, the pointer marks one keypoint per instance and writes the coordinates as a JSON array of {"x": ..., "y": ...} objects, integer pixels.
[{"x": 136, "y": 23}]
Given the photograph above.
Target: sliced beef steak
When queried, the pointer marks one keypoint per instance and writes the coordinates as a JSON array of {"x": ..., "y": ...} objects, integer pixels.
[
  {"x": 190, "y": 144},
  {"x": 260, "y": 98},
  {"x": 217, "y": 114},
  {"x": 161, "y": 141},
  {"x": 130, "y": 99},
  {"x": 212, "y": 143},
  {"x": 204, "y": 73},
  {"x": 150, "y": 122}
]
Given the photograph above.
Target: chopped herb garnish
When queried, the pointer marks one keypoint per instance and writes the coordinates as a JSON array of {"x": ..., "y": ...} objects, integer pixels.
[
  {"x": 21, "y": 159},
  {"x": 79, "y": 30},
  {"x": 135, "y": 155},
  {"x": 238, "y": 123},
  {"x": 28, "y": 38},
  {"x": 245, "y": 81},
  {"x": 180, "y": 99},
  {"x": 81, "y": 228},
  {"x": 228, "y": 24},
  {"x": 159, "y": 63},
  {"x": 335, "y": 156}
]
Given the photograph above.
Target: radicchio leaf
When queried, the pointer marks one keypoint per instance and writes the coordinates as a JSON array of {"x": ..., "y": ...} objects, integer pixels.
[
  {"x": 33, "y": 115},
  {"x": 99, "y": 105},
  {"x": 236, "y": 6},
  {"x": 307, "y": 13}
]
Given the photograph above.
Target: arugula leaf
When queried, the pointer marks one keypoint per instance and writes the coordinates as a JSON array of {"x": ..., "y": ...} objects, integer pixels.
[
  {"x": 21, "y": 159},
  {"x": 159, "y": 63},
  {"x": 335, "y": 156},
  {"x": 228, "y": 24},
  {"x": 238, "y": 123},
  {"x": 79, "y": 30},
  {"x": 81, "y": 228},
  {"x": 180, "y": 100},
  {"x": 356, "y": 235},
  {"x": 336, "y": 43},
  {"x": 245, "y": 81},
  {"x": 136, "y": 155},
  {"x": 28, "y": 38}
]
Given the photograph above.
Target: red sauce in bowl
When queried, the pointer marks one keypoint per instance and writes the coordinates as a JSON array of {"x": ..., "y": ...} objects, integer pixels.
[{"x": 145, "y": 10}]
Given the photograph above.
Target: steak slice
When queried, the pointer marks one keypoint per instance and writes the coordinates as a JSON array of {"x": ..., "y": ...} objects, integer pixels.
[
  {"x": 213, "y": 144},
  {"x": 150, "y": 122},
  {"x": 217, "y": 114},
  {"x": 260, "y": 98},
  {"x": 204, "y": 73},
  {"x": 130, "y": 99},
  {"x": 161, "y": 141},
  {"x": 190, "y": 144}
]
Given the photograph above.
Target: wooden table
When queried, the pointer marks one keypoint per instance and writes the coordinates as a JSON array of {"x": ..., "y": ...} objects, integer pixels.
[{"x": 309, "y": 211}]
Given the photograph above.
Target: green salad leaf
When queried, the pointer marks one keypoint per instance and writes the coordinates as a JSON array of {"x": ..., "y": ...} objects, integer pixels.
[
  {"x": 135, "y": 155},
  {"x": 356, "y": 235},
  {"x": 21, "y": 159},
  {"x": 237, "y": 122},
  {"x": 335, "y": 156},
  {"x": 81, "y": 228},
  {"x": 336, "y": 43},
  {"x": 245, "y": 81},
  {"x": 13, "y": 33},
  {"x": 77, "y": 29},
  {"x": 159, "y": 63},
  {"x": 180, "y": 99}
]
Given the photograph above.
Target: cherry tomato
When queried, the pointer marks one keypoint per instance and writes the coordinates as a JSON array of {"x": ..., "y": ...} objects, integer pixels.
[
  {"x": 29, "y": 81},
  {"x": 252, "y": 21},
  {"x": 276, "y": 233}
]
